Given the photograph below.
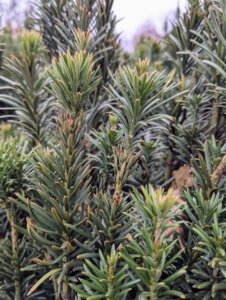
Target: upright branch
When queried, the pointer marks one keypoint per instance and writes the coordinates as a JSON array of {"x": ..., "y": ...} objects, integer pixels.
[{"x": 29, "y": 99}]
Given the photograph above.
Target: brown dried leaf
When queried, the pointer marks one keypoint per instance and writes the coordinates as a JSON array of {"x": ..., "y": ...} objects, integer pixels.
[{"x": 183, "y": 177}]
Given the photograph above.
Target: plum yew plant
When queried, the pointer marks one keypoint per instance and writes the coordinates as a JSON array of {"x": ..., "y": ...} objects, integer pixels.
[{"x": 94, "y": 199}]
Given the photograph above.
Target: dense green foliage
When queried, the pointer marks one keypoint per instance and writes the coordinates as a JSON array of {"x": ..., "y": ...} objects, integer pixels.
[{"x": 112, "y": 165}]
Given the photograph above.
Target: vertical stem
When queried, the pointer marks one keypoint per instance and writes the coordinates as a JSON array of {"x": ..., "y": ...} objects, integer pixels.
[
  {"x": 66, "y": 293},
  {"x": 156, "y": 272},
  {"x": 66, "y": 288},
  {"x": 158, "y": 232},
  {"x": 55, "y": 286},
  {"x": 111, "y": 272},
  {"x": 214, "y": 118},
  {"x": 11, "y": 214}
]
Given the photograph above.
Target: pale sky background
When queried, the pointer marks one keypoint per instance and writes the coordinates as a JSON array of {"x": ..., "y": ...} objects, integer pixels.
[
  {"x": 135, "y": 14},
  {"x": 138, "y": 13}
]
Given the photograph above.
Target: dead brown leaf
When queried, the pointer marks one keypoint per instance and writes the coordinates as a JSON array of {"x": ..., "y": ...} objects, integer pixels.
[{"x": 182, "y": 177}]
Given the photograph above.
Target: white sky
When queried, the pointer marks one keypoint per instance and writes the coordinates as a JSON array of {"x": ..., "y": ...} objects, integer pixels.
[{"x": 136, "y": 13}]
